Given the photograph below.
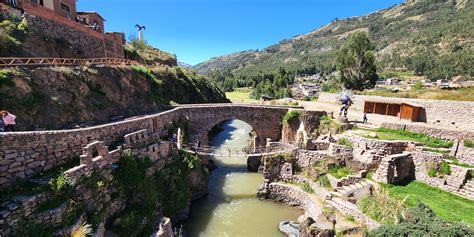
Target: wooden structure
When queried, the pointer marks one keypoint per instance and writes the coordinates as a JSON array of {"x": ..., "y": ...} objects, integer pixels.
[{"x": 401, "y": 110}]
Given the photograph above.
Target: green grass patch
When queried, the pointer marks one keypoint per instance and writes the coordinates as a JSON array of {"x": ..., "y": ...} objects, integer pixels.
[
  {"x": 455, "y": 161},
  {"x": 443, "y": 152},
  {"x": 391, "y": 134},
  {"x": 241, "y": 95},
  {"x": 469, "y": 143},
  {"x": 344, "y": 142},
  {"x": 446, "y": 205},
  {"x": 290, "y": 115},
  {"x": 323, "y": 181},
  {"x": 382, "y": 208},
  {"x": 339, "y": 172},
  {"x": 307, "y": 188}
]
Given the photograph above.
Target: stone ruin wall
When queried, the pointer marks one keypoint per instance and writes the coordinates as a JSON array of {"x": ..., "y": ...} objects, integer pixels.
[
  {"x": 95, "y": 157},
  {"x": 446, "y": 112},
  {"x": 24, "y": 154}
]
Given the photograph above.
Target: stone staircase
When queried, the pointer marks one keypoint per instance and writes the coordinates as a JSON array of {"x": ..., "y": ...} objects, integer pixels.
[
  {"x": 456, "y": 179},
  {"x": 349, "y": 192},
  {"x": 467, "y": 190}
]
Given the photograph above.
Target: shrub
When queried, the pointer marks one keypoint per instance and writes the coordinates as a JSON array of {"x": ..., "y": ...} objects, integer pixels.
[
  {"x": 5, "y": 78},
  {"x": 290, "y": 115},
  {"x": 61, "y": 184},
  {"x": 382, "y": 208},
  {"x": 323, "y": 180},
  {"x": 328, "y": 125},
  {"x": 344, "y": 142},
  {"x": 469, "y": 143},
  {"x": 306, "y": 98},
  {"x": 444, "y": 168},
  {"x": 81, "y": 230},
  {"x": 339, "y": 172},
  {"x": 422, "y": 221},
  {"x": 307, "y": 188}
]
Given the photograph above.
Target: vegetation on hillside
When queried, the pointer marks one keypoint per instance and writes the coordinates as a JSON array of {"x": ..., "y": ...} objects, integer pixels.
[
  {"x": 355, "y": 62},
  {"x": 422, "y": 221},
  {"x": 422, "y": 38},
  {"x": 144, "y": 53},
  {"x": 12, "y": 31},
  {"x": 446, "y": 205},
  {"x": 456, "y": 94}
]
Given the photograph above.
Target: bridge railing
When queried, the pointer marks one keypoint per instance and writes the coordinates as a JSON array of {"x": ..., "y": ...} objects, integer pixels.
[
  {"x": 13, "y": 62},
  {"x": 235, "y": 152}
]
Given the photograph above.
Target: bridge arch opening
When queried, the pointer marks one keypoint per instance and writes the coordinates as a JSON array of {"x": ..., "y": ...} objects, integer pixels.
[{"x": 238, "y": 131}]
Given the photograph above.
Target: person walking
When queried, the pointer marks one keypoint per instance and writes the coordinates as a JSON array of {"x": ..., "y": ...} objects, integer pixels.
[
  {"x": 9, "y": 120},
  {"x": 365, "y": 118}
]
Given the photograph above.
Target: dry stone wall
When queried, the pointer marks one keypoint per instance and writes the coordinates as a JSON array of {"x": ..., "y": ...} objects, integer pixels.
[
  {"x": 438, "y": 112},
  {"x": 24, "y": 154},
  {"x": 438, "y": 132}
]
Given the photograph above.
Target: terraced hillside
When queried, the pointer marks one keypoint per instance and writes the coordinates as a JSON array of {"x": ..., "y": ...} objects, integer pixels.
[{"x": 428, "y": 37}]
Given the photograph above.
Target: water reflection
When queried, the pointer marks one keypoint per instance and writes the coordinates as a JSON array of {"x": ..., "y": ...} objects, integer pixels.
[{"x": 231, "y": 208}]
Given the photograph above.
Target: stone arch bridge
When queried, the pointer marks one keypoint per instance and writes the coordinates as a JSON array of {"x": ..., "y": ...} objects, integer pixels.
[{"x": 24, "y": 154}]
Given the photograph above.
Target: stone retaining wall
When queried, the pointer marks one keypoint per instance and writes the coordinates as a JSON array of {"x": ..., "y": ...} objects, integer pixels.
[
  {"x": 446, "y": 112},
  {"x": 438, "y": 132},
  {"x": 24, "y": 154}
]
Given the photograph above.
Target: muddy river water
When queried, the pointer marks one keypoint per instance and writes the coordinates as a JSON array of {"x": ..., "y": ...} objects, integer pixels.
[{"x": 231, "y": 208}]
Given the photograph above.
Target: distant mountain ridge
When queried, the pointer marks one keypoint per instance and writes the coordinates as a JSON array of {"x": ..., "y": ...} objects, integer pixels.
[{"x": 431, "y": 30}]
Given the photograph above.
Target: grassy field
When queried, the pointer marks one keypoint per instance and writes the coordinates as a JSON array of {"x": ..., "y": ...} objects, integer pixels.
[
  {"x": 461, "y": 94},
  {"x": 390, "y": 134},
  {"x": 446, "y": 205},
  {"x": 240, "y": 95}
]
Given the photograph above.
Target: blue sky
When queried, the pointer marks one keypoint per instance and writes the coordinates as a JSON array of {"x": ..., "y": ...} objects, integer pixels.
[{"x": 196, "y": 30}]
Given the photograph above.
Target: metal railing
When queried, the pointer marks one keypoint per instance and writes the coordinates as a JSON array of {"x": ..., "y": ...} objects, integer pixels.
[
  {"x": 13, "y": 62},
  {"x": 257, "y": 151}
]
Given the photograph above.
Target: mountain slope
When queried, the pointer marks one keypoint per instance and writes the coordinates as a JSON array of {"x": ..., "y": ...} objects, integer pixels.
[{"x": 432, "y": 32}]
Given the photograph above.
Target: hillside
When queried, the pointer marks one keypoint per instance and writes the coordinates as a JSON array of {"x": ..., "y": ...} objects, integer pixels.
[
  {"x": 427, "y": 37},
  {"x": 62, "y": 97}
]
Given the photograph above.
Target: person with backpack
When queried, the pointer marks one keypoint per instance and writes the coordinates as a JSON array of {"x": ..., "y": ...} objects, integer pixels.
[{"x": 9, "y": 121}]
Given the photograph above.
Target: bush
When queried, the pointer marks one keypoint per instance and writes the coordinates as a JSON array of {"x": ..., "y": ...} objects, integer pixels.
[
  {"x": 306, "y": 98},
  {"x": 422, "y": 221},
  {"x": 339, "y": 172},
  {"x": 324, "y": 181},
  {"x": 382, "y": 208},
  {"x": 444, "y": 168},
  {"x": 290, "y": 115},
  {"x": 344, "y": 142},
  {"x": 469, "y": 143},
  {"x": 307, "y": 188}
]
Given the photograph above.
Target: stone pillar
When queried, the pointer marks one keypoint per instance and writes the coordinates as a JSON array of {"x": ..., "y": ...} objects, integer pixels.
[{"x": 179, "y": 137}]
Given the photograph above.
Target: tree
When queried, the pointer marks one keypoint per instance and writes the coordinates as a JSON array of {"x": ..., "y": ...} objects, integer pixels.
[{"x": 356, "y": 63}]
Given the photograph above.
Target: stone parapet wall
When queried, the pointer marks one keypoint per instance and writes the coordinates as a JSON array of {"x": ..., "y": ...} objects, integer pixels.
[
  {"x": 446, "y": 112},
  {"x": 24, "y": 154}
]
